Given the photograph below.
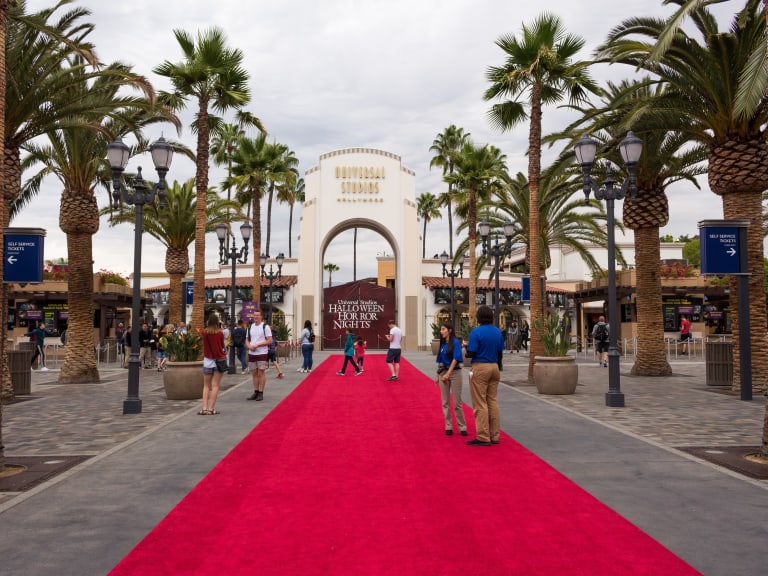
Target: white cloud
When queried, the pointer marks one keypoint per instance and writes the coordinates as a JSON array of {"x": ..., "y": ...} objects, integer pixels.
[{"x": 342, "y": 73}]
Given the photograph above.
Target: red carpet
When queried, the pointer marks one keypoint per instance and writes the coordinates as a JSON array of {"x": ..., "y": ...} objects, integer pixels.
[{"x": 354, "y": 476}]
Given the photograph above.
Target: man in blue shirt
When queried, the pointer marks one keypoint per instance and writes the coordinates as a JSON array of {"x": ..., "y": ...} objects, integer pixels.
[{"x": 485, "y": 348}]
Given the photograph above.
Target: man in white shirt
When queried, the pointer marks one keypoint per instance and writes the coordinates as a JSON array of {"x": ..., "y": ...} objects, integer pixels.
[
  {"x": 258, "y": 340},
  {"x": 393, "y": 354}
]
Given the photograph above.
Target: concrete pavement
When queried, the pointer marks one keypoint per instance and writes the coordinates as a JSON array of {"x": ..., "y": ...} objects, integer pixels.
[{"x": 84, "y": 520}]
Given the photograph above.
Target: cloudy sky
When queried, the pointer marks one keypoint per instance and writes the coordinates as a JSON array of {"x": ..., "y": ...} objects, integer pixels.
[{"x": 350, "y": 73}]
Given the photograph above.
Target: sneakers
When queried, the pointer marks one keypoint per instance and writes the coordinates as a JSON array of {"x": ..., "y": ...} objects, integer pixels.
[
  {"x": 391, "y": 378},
  {"x": 358, "y": 373},
  {"x": 280, "y": 376},
  {"x": 254, "y": 396},
  {"x": 301, "y": 370},
  {"x": 339, "y": 373},
  {"x": 43, "y": 369}
]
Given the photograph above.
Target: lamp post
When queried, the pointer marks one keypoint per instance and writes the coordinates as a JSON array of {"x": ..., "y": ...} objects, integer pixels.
[
  {"x": 272, "y": 276},
  {"x": 136, "y": 193},
  {"x": 497, "y": 251},
  {"x": 631, "y": 148},
  {"x": 234, "y": 255},
  {"x": 452, "y": 275}
]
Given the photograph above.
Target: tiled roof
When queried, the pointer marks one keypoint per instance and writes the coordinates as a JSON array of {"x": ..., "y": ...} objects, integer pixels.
[
  {"x": 241, "y": 281},
  {"x": 482, "y": 284}
]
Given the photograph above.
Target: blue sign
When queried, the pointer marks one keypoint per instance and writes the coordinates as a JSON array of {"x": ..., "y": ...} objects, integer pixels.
[
  {"x": 23, "y": 255},
  {"x": 190, "y": 291},
  {"x": 526, "y": 288},
  {"x": 723, "y": 247}
]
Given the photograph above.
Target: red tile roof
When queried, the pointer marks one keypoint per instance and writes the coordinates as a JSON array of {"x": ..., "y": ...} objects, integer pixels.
[
  {"x": 241, "y": 281},
  {"x": 482, "y": 284}
]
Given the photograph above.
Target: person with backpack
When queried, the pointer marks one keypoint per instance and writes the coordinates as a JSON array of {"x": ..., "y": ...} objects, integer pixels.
[
  {"x": 272, "y": 357},
  {"x": 600, "y": 336},
  {"x": 238, "y": 341}
]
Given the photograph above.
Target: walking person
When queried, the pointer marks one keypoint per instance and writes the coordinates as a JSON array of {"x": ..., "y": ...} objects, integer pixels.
[
  {"x": 238, "y": 340},
  {"x": 395, "y": 337},
  {"x": 214, "y": 365},
  {"x": 128, "y": 345},
  {"x": 162, "y": 348},
  {"x": 485, "y": 347},
  {"x": 120, "y": 336},
  {"x": 449, "y": 378},
  {"x": 514, "y": 338},
  {"x": 685, "y": 333},
  {"x": 257, "y": 341},
  {"x": 37, "y": 335},
  {"x": 145, "y": 335},
  {"x": 601, "y": 336},
  {"x": 360, "y": 346},
  {"x": 349, "y": 355},
  {"x": 307, "y": 346}
]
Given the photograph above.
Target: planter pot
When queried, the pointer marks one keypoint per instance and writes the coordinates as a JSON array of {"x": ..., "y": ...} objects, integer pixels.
[
  {"x": 555, "y": 375},
  {"x": 183, "y": 380},
  {"x": 435, "y": 347}
]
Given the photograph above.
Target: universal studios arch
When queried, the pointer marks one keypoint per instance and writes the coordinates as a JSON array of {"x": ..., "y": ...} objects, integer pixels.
[{"x": 363, "y": 188}]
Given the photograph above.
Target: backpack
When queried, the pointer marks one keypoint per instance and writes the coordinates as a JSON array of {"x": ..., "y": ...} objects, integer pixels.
[
  {"x": 601, "y": 333},
  {"x": 239, "y": 337},
  {"x": 272, "y": 348},
  {"x": 312, "y": 337}
]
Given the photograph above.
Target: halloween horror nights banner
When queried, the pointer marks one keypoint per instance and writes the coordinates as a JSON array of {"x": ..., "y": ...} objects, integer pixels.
[{"x": 361, "y": 307}]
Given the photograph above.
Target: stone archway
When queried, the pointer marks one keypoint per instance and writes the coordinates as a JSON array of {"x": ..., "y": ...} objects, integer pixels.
[{"x": 366, "y": 188}]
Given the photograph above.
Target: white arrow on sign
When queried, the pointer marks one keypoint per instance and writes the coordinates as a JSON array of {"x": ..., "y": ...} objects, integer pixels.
[
  {"x": 731, "y": 252},
  {"x": 11, "y": 259}
]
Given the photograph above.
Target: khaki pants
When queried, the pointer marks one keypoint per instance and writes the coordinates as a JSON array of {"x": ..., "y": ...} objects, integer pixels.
[
  {"x": 452, "y": 388},
  {"x": 484, "y": 386}
]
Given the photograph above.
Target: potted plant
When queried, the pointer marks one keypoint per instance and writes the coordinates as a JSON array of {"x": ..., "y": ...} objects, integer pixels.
[
  {"x": 435, "y": 344},
  {"x": 282, "y": 333},
  {"x": 555, "y": 372},
  {"x": 183, "y": 380}
]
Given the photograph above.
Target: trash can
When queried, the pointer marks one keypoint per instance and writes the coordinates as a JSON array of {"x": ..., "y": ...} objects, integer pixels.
[
  {"x": 719, "y": 363},
  {"x": 21, "y": 371}
]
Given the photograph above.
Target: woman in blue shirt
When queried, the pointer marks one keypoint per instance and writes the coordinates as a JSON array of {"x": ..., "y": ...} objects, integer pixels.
[{"x": 449, "y": 378}]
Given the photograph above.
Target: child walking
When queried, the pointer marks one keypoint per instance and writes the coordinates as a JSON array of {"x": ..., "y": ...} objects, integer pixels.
[
  {"x": 349, "y": 355},
  {"x": 360, "y": 346}
]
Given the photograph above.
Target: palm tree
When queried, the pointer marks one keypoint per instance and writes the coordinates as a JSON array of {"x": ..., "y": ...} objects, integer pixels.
[
  {"x": 478, "y": 169},
  {"x": 668, "y": 157},
  {"x": 714, "y": 94},
  {"x": 538, "y": 65},
  {"x": 331, "y": 268},
  {"x": 564, "y": 220},
  {"x": 250, "y": 173},
  {"x": 294, "y": 192},
  {"x": 75, "y": 156},
  {"x": 427, "y": 209},
  {"x": 283, "y": 170},
  {"x": 445, "y": 147},
  {"x": 213, "y": 75},
  {"x": 174, "y": 227}
]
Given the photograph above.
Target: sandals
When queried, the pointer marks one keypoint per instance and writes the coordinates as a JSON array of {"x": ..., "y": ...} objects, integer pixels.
[
  {"x": 208, "y": 413},
  {"x": 214, "y": 412}
]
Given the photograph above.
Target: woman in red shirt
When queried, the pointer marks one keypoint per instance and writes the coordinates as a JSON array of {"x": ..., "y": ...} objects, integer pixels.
[{"x": 213, "y": 349}]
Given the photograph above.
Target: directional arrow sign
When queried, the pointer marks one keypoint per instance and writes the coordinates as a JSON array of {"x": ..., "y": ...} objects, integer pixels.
[
  {"x": 723, "y": 247},
  {"x": 23, "y": 254}
]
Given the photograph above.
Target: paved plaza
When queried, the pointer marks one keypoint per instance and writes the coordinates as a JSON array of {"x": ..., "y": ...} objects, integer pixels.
[{"x": 126, "y": 472}]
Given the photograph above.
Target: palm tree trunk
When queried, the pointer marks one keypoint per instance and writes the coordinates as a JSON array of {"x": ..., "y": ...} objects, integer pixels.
[
  {"x": 651, "y": 356},
  {"x": 201, "y": 185},
  {"x": 424, "y": 241},
  {"x": 290, "y": 231},
  {"x": 472, "y": 230},
  {"x": 79, "y": 360},
  {"x": 534, "y": 233},
  {"x": 738, "y": 205},
  {"x": 269, "y": 215},
  {"x": 3, "y": 214},
  {"x": 256, "y": 247}
]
